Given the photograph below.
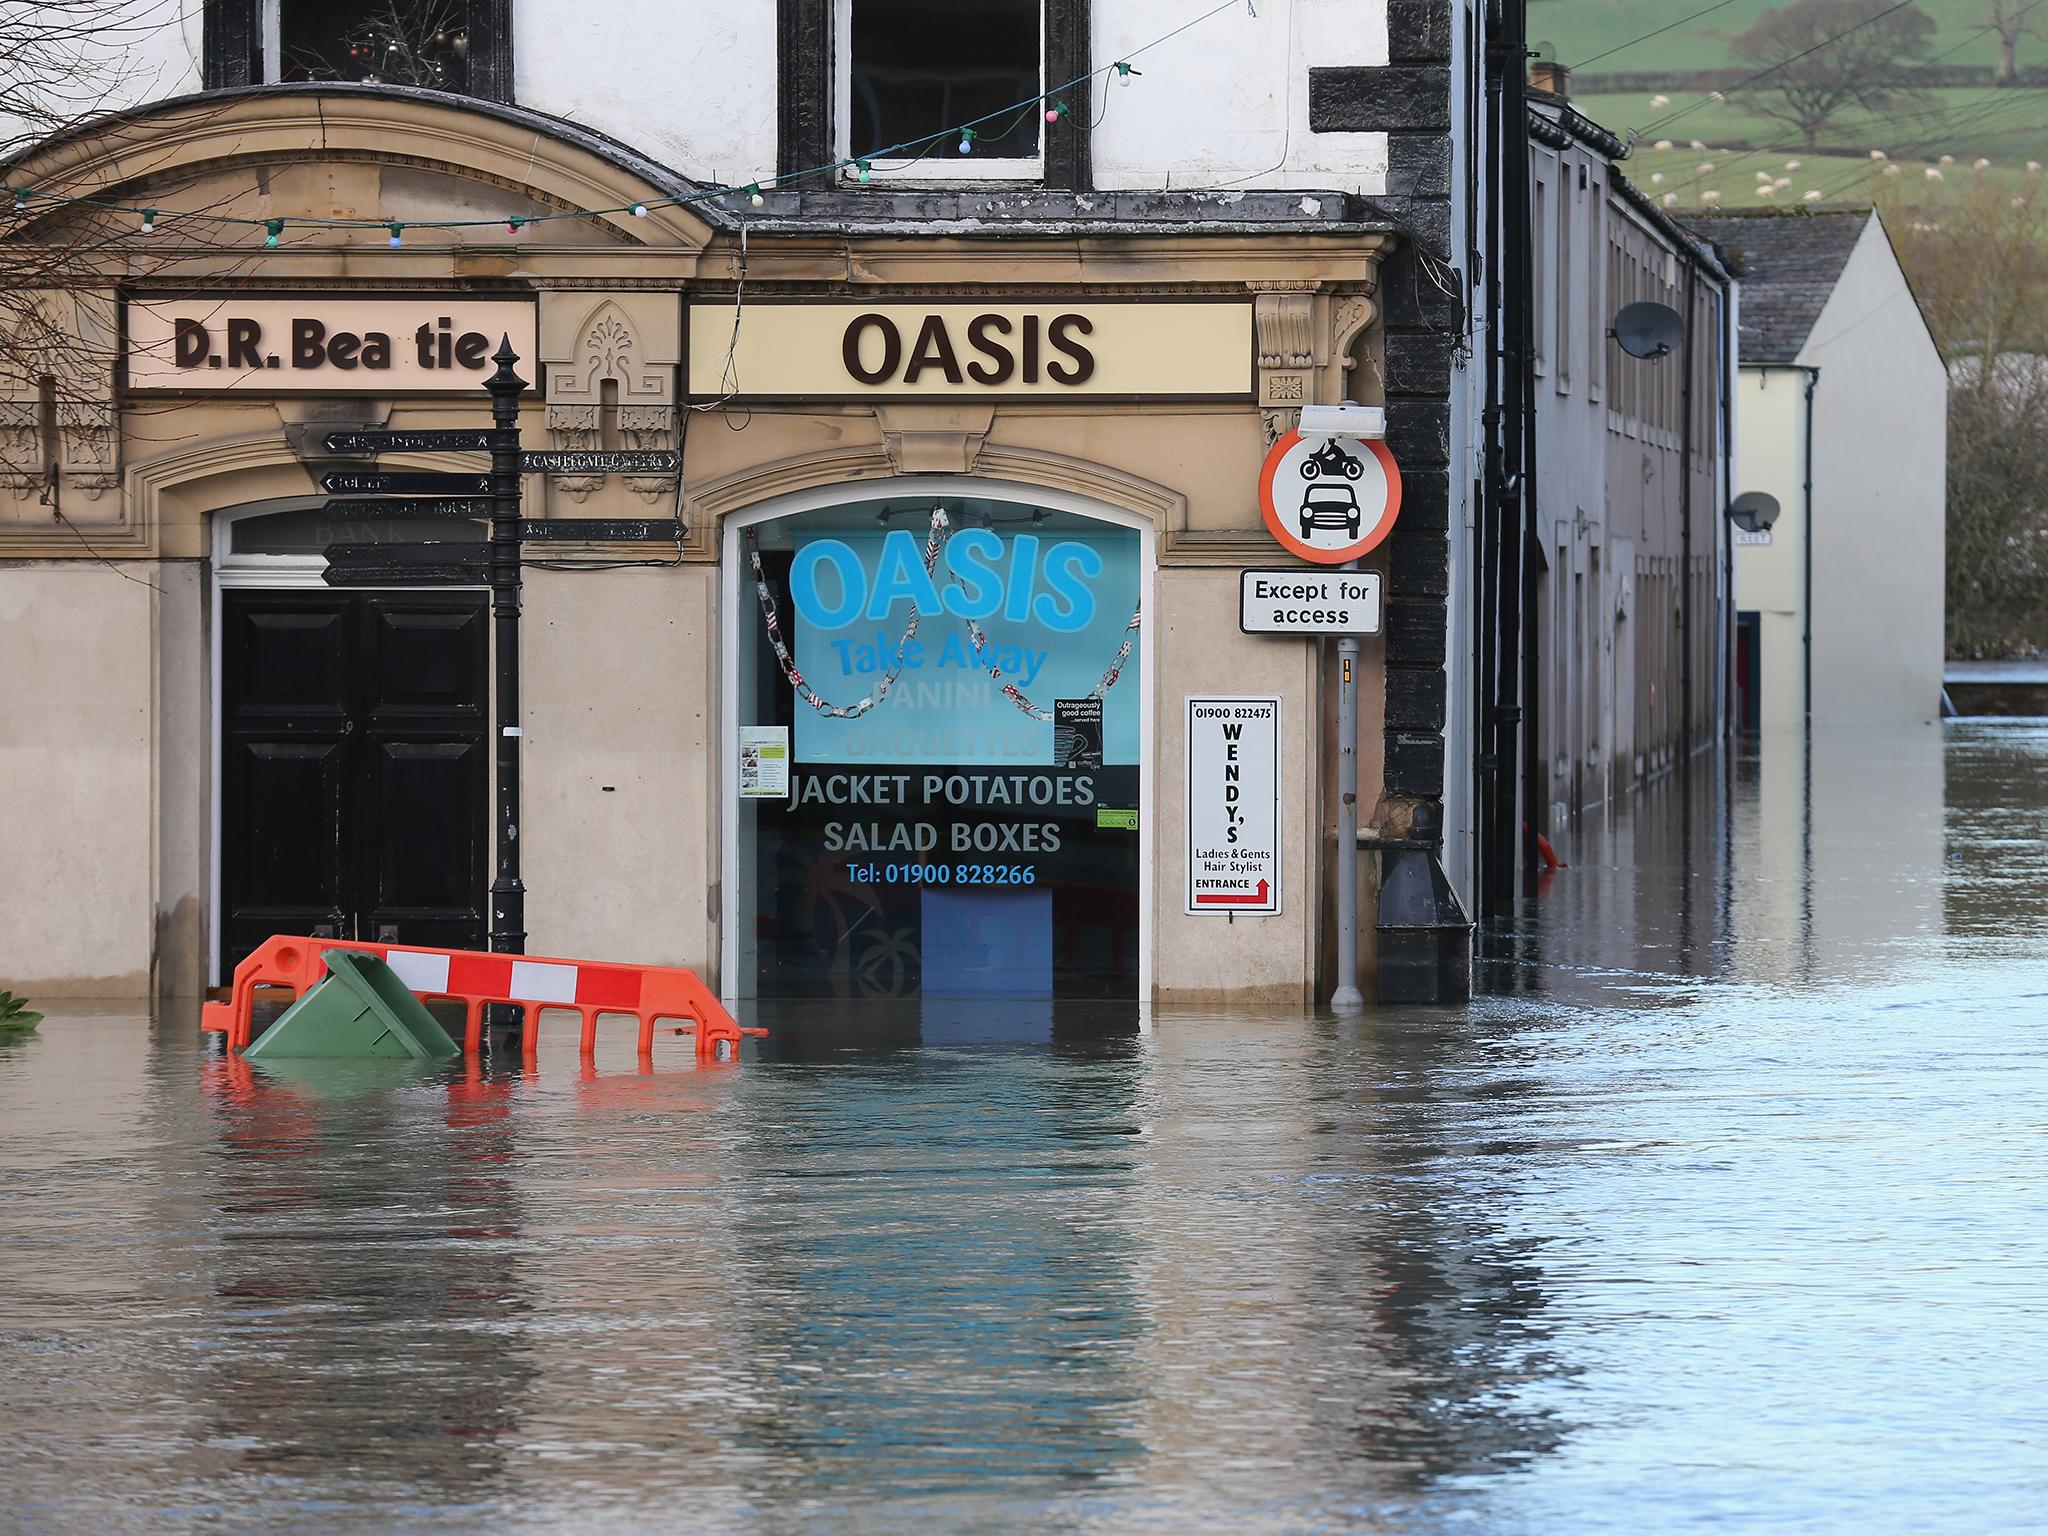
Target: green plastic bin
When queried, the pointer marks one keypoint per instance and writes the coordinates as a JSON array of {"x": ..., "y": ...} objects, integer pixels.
[{"x": 361, "y": 1010}]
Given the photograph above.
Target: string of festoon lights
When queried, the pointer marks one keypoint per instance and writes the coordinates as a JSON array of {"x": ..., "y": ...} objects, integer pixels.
[{"x": 960, "y": 137}]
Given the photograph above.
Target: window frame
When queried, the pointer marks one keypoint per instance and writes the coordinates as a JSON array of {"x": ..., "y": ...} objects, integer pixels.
[
  {"x": 240, "y": 38},
  {"x": 941, "y": 166},
  {"x": 813, "y": 106}
]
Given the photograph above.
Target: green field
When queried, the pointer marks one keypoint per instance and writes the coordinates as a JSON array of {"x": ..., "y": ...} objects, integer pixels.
[
  {"x": 2008, "y": 128},
  {"x": 1577, "y": 30}
]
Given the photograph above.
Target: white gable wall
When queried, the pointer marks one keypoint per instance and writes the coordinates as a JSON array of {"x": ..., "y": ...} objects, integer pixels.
[{"x": 1880, "y": 434}]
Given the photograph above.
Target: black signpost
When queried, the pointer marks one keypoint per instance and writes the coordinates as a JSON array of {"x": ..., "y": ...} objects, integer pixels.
[
  {"x": 406, "y": 493},
  {"x": 508, "y": 891}
]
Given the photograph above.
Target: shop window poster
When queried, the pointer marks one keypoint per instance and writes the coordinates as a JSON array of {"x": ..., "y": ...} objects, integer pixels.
[
  {"x": 764, "y": 762},
  {"x": 1044, "y": 615}
]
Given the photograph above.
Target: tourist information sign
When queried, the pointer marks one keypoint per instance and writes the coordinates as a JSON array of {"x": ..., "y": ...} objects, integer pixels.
[
  {"x": 535, "y": 461},
  {"x": 1233, "y": 805},
  {"x": 409, "y": 506},
  {"x": 431, "y": 440},
  {"x": 408, "y": 565},
  {"x": 624, "y": 461},
  {"x": 601, "y": 530},
  {"x": 404, "y": 482}
]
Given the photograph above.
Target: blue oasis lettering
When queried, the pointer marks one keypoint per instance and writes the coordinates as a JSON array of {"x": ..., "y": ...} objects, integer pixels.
[{"x": 1052, "y": 587}]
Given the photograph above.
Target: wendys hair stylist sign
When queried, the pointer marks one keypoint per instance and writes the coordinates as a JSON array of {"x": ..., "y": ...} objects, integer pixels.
[
  {"x": 1233, "y": 809},
  {"x": 414, "y": 344}
]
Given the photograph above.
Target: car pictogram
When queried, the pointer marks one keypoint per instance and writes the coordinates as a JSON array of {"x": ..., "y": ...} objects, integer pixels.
[{"x": 1327, "y": 504}]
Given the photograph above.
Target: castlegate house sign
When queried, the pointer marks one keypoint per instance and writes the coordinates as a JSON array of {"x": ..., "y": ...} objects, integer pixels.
[
  {"x": 1050, "y": 350},
  {"x": 410, "y": 344}
]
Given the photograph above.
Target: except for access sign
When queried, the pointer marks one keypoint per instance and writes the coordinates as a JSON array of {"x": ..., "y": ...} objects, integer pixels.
[
  {"x": 1302, "y": 602},
  {"x": 1233, "y": 805}
]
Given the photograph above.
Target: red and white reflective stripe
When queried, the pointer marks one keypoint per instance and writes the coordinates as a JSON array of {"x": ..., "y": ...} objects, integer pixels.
[{"x": 438, "y": 974}]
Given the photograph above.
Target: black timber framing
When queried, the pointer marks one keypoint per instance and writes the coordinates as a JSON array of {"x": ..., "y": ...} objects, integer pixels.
[
  {"x": 231, "y": 46},
  {"x": 803, "y": 84},
  {"x": 806, "y": 90},
  {"x": 1423, "y": 935},
  {"x": 1408, "y": 99}
]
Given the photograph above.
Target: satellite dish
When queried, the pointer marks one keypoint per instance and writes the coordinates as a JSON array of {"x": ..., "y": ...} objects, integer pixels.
[
  {"x": 1753, "y": 511},
  {"x": 1648, "y": 329},
  {"x": 1544, "y": 52}
]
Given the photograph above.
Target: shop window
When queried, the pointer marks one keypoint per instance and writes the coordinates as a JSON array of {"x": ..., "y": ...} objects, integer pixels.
[
  {"x": 461, "y": 46},
  {"x": 859, "y": 77},
  {"x": 939, "y": 733}
]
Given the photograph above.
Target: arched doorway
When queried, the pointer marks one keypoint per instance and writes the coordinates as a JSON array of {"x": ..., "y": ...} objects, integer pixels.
[
  {"x": 351, "y": 768},
  {"x": 937, "y": 731}
]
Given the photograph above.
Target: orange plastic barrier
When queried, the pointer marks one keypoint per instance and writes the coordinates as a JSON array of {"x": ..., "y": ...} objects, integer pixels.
[{"x": 477, "y": 980}]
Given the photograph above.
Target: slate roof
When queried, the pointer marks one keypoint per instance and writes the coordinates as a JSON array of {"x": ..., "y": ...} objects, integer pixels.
[{"x": 1788, "y": 263}]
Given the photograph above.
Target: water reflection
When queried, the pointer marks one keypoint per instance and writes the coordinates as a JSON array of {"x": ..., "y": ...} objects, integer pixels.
[{"x": 1715, "y": 1214}]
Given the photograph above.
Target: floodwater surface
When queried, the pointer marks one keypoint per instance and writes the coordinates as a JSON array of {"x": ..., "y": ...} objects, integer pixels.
[{"x": 1722, "y": 1210}]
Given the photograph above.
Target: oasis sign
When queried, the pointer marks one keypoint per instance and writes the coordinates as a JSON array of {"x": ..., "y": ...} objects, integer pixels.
[
  {"x": 977, "y": 349},
  {"x": 312, "y": 344},
  {"x": 1024, "y": 580}
]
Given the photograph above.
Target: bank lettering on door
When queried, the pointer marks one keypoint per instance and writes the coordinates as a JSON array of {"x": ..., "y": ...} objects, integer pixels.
[{"x": 1233, "y": 805}]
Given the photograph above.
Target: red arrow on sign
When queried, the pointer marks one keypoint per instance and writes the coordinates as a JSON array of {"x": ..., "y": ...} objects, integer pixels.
[{"x": 1235, "y": 901}]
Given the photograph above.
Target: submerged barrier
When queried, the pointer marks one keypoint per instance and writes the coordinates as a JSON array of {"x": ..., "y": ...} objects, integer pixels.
[{"x": 655, "y": 995}]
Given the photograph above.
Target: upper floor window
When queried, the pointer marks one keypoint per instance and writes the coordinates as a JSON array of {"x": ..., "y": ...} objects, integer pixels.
[
  {"x": 908, "y": 68},
  {"x": 859, "y": 77},
  {"x": 463, "y": 46}
]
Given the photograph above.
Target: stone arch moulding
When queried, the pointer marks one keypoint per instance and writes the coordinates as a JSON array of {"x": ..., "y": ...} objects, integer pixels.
[
  {"x": 172, "y": 497},
  {"x": 713, "y": 500},
  {"x": 521, "y": 152}
]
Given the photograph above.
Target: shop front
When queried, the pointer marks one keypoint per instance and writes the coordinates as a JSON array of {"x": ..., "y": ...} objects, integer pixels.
[
  {"x": 899, "y": 704},
  {"x": 938, "y": 721}
]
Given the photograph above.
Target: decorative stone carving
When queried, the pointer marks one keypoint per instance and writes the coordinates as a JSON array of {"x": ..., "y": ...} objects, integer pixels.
[
  {"x": 1351, "y": 313},
  {"x": 934, "y": 439},
  {"x": 1286, "y": 325},
  {"x": 70, "y": 340},
  {"x": 1283, "y": 322},
  {"x": 611, "y": 354}
]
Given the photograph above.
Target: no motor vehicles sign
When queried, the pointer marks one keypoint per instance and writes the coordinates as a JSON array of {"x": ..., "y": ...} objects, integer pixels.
[{"x": 1233, "y": 811}]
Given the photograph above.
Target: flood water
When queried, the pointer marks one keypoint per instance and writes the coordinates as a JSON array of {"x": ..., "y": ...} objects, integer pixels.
[{"x": 1723, "y": 1210}]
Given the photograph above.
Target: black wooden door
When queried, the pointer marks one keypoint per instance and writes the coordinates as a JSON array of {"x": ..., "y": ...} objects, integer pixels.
[{"x": 355, "y": 770}]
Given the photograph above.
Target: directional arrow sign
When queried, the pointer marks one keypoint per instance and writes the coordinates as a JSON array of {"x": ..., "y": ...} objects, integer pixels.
[
  {"x": 397, "y": 482},
  {"x": 407, "y": 565},
  {"x": 630, "y": 461},
  {"x": 453, "y": 440},
  {"x": 410, "y": 506},
  {"x": 601, "y": 530}
]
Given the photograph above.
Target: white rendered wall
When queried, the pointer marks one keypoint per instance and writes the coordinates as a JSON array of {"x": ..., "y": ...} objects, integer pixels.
[
  {"x": 691, "y": 86},
  {"x": 1880, "y": 496},
  {"x": 1225, "y": 104},
  {"x": 1770, "y": 435},
  {"x": 77, "y": 778}
]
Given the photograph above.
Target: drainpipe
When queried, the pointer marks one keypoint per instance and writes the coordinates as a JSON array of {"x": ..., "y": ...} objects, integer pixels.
[
  {"x": 1685, "y": 613},
  {"x": 1806, "y": 601},
  {"x": 1510, "y": 60}
]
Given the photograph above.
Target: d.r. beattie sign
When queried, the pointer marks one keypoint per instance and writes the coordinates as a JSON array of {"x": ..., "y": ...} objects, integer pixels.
[{"x": 312, "y": 344}]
